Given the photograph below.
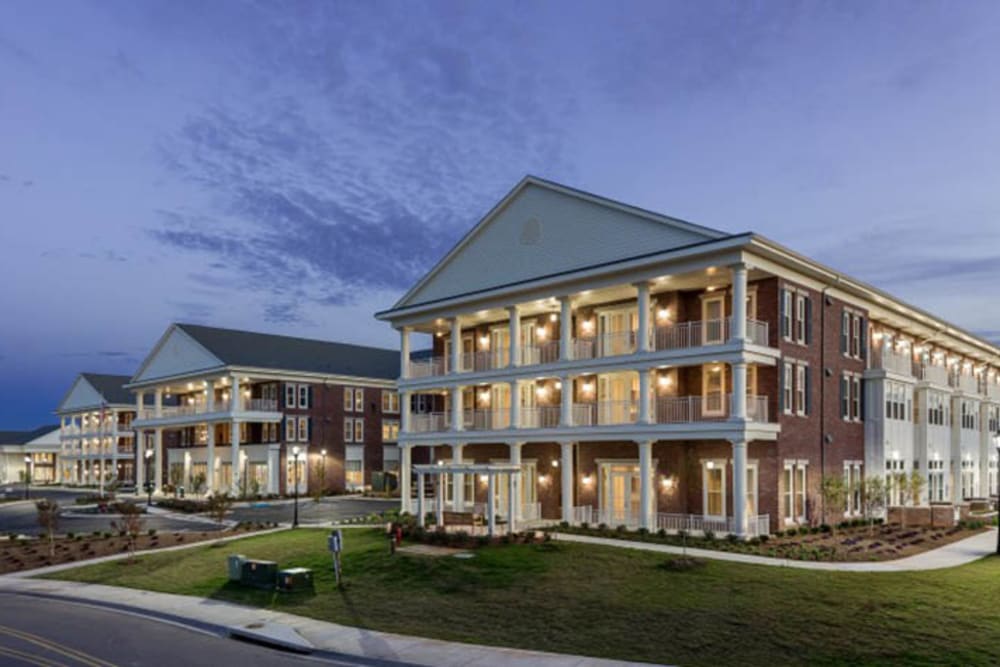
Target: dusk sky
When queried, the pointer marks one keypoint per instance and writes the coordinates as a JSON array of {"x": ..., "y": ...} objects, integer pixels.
[{"x": 293, "y": 167}]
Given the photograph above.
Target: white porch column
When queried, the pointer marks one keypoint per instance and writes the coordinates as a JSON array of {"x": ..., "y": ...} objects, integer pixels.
[
  {"x": 456, "y": 346},
  {"x": 457, "y": 416},
  {"x": 405, "y": 473},
  {"x": 234, "y": 439},
  {"x": 140, "y": 461},
  {"x": 234, "y": 395},
  {"x": 210, "y": 461},
  {"x": 512, "y": 512},
  {"x": 643, "y": 343},
  {"x": 491, "y": 515},
  {"x": 515, "y": 485},
  {"x": 740, "y": 487},
  {"x": 565, "y": 328},
  {"x": 515, "y": 335},
  {"x": 405, "y": 410},
  {"x": 140, "y": 398},
  {"x": 420, "y": 500},
  {"x": 739, "y": 406},
  {"x": 647, "y": 516},
  {"x": 404, "y": 352},
  {"x": 645, "y": 397},
  {"x": 567, "y": 481},
  {"x": 158, "y": 403},
  {"x": 210, "y": 395},
  {"x": 458, "y": 479},
  {"x": 515, "y": 404},
  {"x": 274, "y": 468},
  {"x": 566, "y": 401},
  {"x": 738, "y": 330},
  {"x": 186, "y": 482},
  {"x": 158, "y": 458},
  {"x": 439, "y": 500}
]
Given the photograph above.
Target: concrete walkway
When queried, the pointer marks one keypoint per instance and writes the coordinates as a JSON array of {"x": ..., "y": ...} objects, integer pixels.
[
  {"x": 320, "y": 638},
  {"x": 950, "y": 555}
]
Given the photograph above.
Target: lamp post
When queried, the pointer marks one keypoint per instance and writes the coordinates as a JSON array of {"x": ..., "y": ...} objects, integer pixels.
[
  {"x": 149, "y": 480},
  {"x": 996, "y": 444},
  {"x": 27, "y": 476},
  {"x": 295, "y": 487},
  {"x": 322, "y": 474}
]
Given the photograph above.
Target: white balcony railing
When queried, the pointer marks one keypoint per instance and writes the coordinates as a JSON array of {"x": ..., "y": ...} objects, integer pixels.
[
  {"x": 605, "y": 412},
  {"x": 992, "y": 389},
  {"x": 531, "y": 511},
  {"x": 486, "y": 420},
  {"x": 429, "y": 422},
  {"x": 697, "y": 333},
  {"x": 759, "y": 524},
  {"x": 935, "y": 374},
  {"x": 890, "y": 360},
  {"x": 541, "y": 353},
  {"x": 427, "y": 367},
  {"x": 967, "y": 383},
  {"x": 687, "y": 409},
  {"x": 543, "y": 416},
  {"x": 258, "y": 405},
  {"x": 485, "y": 360}
]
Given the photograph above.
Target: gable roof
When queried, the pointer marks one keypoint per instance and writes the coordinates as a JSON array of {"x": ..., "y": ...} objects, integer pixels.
[
  {"x": 111, "y": 387},
  {"x": 24, "y": 437},
  {"x": 249, "y": 349},
  {"x": 90, "y": 391},
  {"x": 542, "y": 227}
]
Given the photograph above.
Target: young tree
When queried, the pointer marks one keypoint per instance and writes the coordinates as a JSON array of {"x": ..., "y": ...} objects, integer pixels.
[
  {"x": 130, "y": 524},
  {"x": 915, "y": 485},
  {"x": 176, "y": 477},
  {"x": 319, "y": 472},
  {"x": 48, "y": 520},
  {"x": 873, "y": 498},
  {"x": 198, "y": 483},
  {"x": 218, "y": 506},
  {"x": 834, "y": 494},
  {"x": 901, "y": 489}
]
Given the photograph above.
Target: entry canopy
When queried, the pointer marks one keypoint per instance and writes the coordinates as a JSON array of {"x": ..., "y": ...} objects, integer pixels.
[{"x": 473, "y": 468}]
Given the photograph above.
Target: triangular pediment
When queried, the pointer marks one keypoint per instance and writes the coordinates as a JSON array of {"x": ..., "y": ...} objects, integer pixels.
[
  {"x": 177, "y": 353},
  {"x": 81, "y": 396},
  {"x": 543, "y": 228}
]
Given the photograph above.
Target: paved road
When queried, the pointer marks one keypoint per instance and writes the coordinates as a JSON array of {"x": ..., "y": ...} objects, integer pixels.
[
  {"x": 61, "y": 495},
  {"x": 328, "y": 509},
  {"x": 41, "y": 632}
]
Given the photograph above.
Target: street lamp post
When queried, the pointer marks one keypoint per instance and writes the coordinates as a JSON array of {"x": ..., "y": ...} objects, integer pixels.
[
  {"x": 27, "y": 476},
  {"x": 295, "y": 487},
  {"x": 149, "y": 480},
  {"x": 322, "y": 477}
]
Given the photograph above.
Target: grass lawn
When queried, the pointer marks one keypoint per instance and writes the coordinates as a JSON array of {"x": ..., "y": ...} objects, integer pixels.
[{"x": 609, "y": 602}]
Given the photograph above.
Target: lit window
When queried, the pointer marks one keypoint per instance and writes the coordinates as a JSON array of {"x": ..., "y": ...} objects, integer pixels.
[
  {"x": 348, "y": 399},
  {"x": 359, "y": 400}
]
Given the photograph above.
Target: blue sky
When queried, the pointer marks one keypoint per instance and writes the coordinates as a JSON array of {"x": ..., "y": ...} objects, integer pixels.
[{"x": 293, "y": 167}]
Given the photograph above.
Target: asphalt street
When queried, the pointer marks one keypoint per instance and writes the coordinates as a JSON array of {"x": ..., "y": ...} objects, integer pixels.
[
  {"x": 44, "y": 632},
  {"x": 310, "y": 511}
]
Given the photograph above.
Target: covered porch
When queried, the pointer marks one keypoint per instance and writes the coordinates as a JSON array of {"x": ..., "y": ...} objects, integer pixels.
[{"x": 494, "y": 518}]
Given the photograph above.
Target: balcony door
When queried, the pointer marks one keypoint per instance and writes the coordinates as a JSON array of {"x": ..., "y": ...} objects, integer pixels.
[
  {"x": 614, "y": 398},
  {"x": 615, "y": 329},
  {"x": 529, "y": 401},
  {"x": 499, "y": 346},
  {"x": 528, "y": 488},
  {"x": 620, "y": 493},
  {"x": 465, "y": 361},
  {"x": 713, "y": 315},
  {"x": 500, "y": 404},
  {"x": 529, "y": 342}
]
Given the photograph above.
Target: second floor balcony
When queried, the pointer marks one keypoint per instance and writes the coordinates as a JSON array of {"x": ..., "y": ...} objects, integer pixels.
[{"x": 197, "y": 408}]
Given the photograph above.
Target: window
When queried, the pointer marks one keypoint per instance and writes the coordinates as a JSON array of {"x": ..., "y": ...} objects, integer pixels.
[
  {"x": 968, "y": 479},
  {"x": 390, "y": 431},
  {"x": 714, "y": 479},
  {"x": 390, "y": 401},
  {"x": 348, "y": 399},
  {"x": 303, "y": 429},
  {"x": 852, "y": 487},
  {"x": 359, "y": 400},
  {"x": 991, "y": 476},
  {"x": 359, "y": 430},
  {"x": 713, "y": 382},
  {"x": 856, "y": 337},
  {"x": 787, "y": 388},
  {"x": 845, "y": 333},
  {"x": 800, "y": 493},
  {"x": 303, "y": 396},
  {"x": 786, "y": 314},
  {"x": 290, "y": 429},
  {"x": 289, "y": 395},
  {"x": 845, "y": 396},
  {"x": 794, "y": 493},
  {"x": 855, "y": 397},
  {"x": 348, "y": 430},
  {"x": 894, "y": 469},
  {"x": 800, "y": 318},
  {"x": 800, "y": 389},
  {"x": 751, "y": 504},
  {"x": 935, "y": 480},
  {"x": 354, "y": 473}
]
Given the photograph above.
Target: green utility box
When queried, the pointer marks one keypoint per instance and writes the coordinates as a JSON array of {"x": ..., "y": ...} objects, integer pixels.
[
  {"x": 235, "y": 562},
  {"x": 295, "y": 579},
  {"x": 259, "y": 574}
]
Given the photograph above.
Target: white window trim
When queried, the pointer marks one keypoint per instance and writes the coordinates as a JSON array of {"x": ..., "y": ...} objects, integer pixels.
[
  {"x": 348, "y": 429},
  {"x": 303, "y": 396},
  {"x": 789, "y": 303},
  {"x": 705, "y": 370},
  {"x": 721, "y": 465},
  {"x": 290, "y": 393},
  {"x": 348, "y": 399},
  {"x": 788, "y": 369}
]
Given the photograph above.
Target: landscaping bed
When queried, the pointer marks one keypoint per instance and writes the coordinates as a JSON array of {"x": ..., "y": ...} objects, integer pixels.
[{"x": 848, "y": 542}]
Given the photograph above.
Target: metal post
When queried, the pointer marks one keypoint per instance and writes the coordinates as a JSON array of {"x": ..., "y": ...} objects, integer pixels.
[
  {"x": 490, "y": 509},
  {"x": 295, "y": 490},
  {"x": 27, "y": 477}
]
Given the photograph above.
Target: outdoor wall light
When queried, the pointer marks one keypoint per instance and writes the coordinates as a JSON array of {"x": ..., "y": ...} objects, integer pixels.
[
  {"x": 542, "y": 392},
  {"x": 667, "y": 483},
  {"x": 587, "y": 326},
  {"x": 664, "y": 381},
  {"x": 711, "y": 288},
  {"x": 588, "y": 479},
  {"x": 541, "y": 332},
  {"x": 558, "y": 384},
  {"x": 543, "y": 479},
  {"x": 484, "y": 342},
  {"x": 553, "y": 317},
  {"x": 555, "y": 463},
  {"x": 663, "y": 314},
  {"x": 483, "y": 478},
  {"x": 588, "y": 387}
]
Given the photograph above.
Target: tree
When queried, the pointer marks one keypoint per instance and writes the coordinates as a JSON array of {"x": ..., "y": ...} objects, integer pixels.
[
  {"x": 833, "y": 492},
  {"x": 48, "y": 520},
  {"x": 130, "y": 524},
  {"x": 218, "y": 506},
  {"x": 901, "y": 489},
  {"x": 176, "y": 477},
  {"x": 198, "y": 483},
  {"x": 915, "y": 485},
  {"x": 873, "y": 498},
  {"x": 319, "y": 471}
]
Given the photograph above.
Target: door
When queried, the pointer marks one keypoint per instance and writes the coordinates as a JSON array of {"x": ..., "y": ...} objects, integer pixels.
[
  {"x": 614, "y": 398},
  {"x": 529, "y": 343},
  {"x": 499, "y": 346},
  {"x": 529, "y": 401},
  {"x": 621, "y": 497},
  {"x": 500, "y": 405},
  {"x": 615, "y": 329},
  {"x": 713, "y": 320}
]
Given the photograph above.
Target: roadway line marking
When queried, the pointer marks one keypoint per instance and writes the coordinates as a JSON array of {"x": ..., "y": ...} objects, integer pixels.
[
  {"x": 30, "y": 657},
  {"x": 69, "y": 652}
]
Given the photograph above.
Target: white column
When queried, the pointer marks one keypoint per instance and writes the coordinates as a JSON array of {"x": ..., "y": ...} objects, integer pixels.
[
  {"x": 458, "y": 479},
  {"x": 439, "y": 500},
  {"x": 491, "y": 515},
  {"x": 420, "y": 499},
  {"x": 739, "y": 406},
  {"x": 234, "y": 439},
  {"x": 643, "y": 341},
  {"x": 565, "y": 328},
  {"x": 738, "y": 331},
  {"x": 515, "y": 485},
  {"x": 234, "y": 395},
  {"x": 456, "y": 345},
  {"x": 740, "y": 487},
  {"x": 645, "y": 398},
  {"x": 515, "y": 335},
  {"x": 566, "y": 401},
  {"x": 210, "y": 396},
  {"x": 567, "y": 481},
  {"x": 405, "y": 472},
  {"x": 457, "y": 416},
  {"x": 404, "y": 352},
  {"x": 186, "y": 481},
  {"x": 512, "y": 512},
  {"x": 158, "y": 403},
  {"x": 140, "y": 460},
  {"x": 210, "y": 461},
  {"x": 404, "y": 411},
  {"x": 158, "y": 458},
  {"x": 647, "y": 516},
  {"x": 273, "y": 468},
  {"x": 515, "y": 404},
  {"x": 140, "y": 397}
]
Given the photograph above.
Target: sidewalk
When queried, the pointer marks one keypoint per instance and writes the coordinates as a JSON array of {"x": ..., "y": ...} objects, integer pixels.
[
  {"x": 294, "y": 632},
  {"x": 950, "y": 555}
]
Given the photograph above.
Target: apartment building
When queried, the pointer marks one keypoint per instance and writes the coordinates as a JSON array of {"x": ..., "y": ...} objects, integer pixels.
[
  {"x": 34, "y": 452},
  {"x": 251, "y": 413},
  {"x": 646, "y": 371},
  {"x": 97, "y": 441}
]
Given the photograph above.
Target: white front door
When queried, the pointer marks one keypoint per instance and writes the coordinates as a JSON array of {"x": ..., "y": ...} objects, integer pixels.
[
  {"x": 528, "y": 397},
  {"x": 615, "y": 329},
  {"x": 529, "y": 351},
  {"x": 500, "y": 405},
  {"x": 499, "y": 346},
  {"x": 614, "y": 398},
  {"x": 713, "y": 330},
  {"x": 620, "y": 493}
]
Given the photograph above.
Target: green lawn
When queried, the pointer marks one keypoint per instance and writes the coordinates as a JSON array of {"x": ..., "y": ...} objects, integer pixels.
[{"x": 611, "y": 602}]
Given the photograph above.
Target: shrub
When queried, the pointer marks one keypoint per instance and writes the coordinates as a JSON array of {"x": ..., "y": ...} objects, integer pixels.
[
  {"x": 151, "y": 532},
  {"x": 825, "y": 528},
  {"x": 763, "y": 539},
  {"x": 584, "y": 525},
  {"x": 710, "y": 535},
  {"x": 803, "y": 530},
  {"x": 732, "y": 538},
  {"x": 643, "y": 532},
  {"x": 621, "y": 529},
  {"x": 661, "y": 532}
]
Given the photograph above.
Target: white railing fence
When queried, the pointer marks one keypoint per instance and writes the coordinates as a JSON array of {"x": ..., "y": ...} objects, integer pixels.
[{"x": 543, "y": 416}]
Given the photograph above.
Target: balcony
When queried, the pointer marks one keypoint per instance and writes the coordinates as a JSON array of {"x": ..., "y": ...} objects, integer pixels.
[
  {"x": 697, "y": 333},
  {"x": 966, "y": 383},
  {"x": 934, "y": 374},
  {"x": 544, "y": 416},
  {"x": 202, "y": 408},
  {"x": 690, "y": 409},
  {"x": 889, "y": 360},
  {"x": 991, "y": 389}
]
